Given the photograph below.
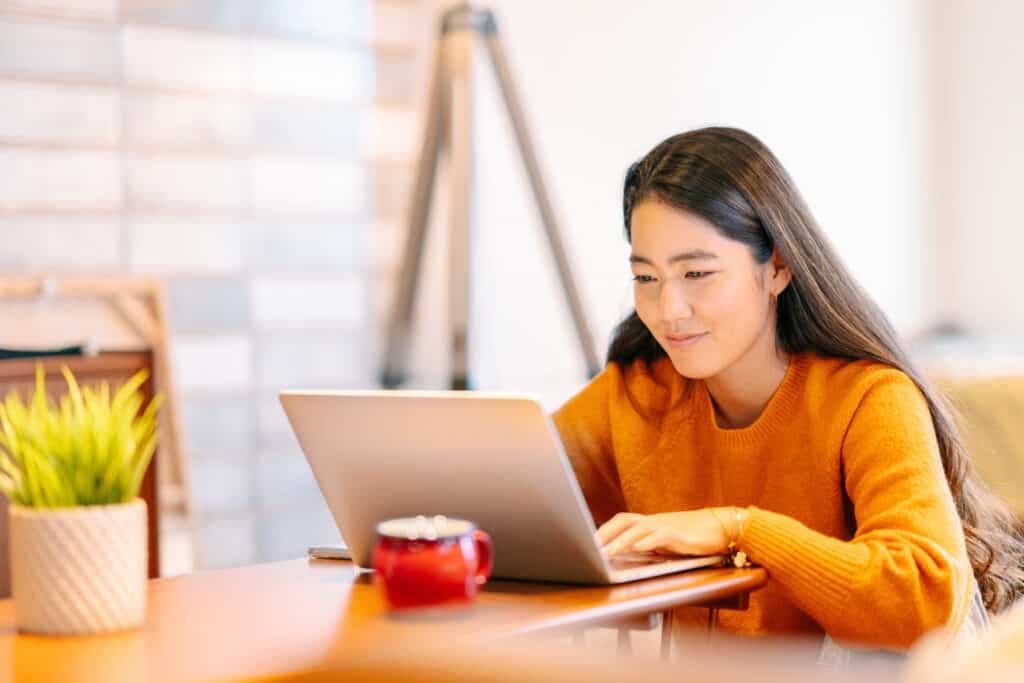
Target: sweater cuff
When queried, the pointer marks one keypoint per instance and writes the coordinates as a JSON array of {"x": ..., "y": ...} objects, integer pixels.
[{"x": 818, "y": 568}]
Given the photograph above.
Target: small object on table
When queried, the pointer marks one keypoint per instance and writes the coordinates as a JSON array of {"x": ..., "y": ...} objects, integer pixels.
[
  {"x": 421, "y": 561},
  {"x": 329, "y": 552}
]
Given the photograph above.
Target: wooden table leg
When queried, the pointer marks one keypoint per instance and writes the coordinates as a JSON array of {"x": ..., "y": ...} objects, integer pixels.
[
  {"x": 740, "y": 601},
  {"x": 666, "y": 634},
  {"x": 712, "y": 621},
  {"x": 625, "y": 644}
]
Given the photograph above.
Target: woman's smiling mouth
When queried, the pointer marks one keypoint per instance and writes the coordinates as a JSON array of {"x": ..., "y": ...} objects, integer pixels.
[{"x": 679, "y": 341}]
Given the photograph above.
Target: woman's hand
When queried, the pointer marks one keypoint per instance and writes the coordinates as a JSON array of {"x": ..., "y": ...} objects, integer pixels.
[{"x": 694, "y": 532}]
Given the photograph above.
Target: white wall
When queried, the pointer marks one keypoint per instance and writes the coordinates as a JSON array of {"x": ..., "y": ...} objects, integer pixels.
[
  {"x": 839, "y": 91},
  {"x": 980, "y": 97},
  {"x": 218, "y": 146}
]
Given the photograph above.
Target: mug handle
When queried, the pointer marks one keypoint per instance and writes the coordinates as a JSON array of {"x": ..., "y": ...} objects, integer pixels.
[{"x": 485, "y": 556}]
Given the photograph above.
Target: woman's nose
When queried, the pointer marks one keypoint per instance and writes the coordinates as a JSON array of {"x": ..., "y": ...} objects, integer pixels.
[{"x": 673, "y": 304}]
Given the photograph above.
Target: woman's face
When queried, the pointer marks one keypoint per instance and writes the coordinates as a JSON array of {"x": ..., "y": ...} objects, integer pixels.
[{"x": 702, "y": 295}]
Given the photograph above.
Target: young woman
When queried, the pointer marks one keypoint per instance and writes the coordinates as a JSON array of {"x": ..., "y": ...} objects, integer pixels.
[{"x": 757, "y": 403}]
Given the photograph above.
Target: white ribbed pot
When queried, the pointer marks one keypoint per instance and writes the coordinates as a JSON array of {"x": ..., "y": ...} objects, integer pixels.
[{"x": 79, "y": 570}]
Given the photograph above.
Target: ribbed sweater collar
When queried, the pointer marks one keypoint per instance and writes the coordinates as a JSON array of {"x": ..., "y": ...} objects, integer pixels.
[{"x": 775, "y": 414}]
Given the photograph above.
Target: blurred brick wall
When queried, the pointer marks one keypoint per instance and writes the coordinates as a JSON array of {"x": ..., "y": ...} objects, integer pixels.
[{"x": 256, "y": 155}]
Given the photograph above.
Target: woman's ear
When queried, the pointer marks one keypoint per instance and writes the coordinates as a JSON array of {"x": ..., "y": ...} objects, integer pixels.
[{"x": 780, "y": 274}]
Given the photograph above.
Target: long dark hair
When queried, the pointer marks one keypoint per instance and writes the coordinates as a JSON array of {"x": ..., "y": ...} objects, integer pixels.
[{"x": 732, "y": 180}]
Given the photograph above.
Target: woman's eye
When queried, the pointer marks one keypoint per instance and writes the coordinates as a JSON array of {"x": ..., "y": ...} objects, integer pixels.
[
  {"x": 697, "y": 274},
  {"x": 643, "y": 278}
]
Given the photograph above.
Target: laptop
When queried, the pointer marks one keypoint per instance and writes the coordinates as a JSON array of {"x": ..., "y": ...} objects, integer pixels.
[{"x": 494, "y": 459}]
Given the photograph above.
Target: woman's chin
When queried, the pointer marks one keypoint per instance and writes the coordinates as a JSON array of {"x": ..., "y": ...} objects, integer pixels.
[{"x": 691, "y": 366}]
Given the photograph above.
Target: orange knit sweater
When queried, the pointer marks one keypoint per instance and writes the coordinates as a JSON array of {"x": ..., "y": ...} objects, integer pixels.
[{"x": 850, "y": 512}]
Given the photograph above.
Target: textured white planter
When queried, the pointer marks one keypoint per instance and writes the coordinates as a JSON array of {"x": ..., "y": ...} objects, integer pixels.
[{"x": 79, "y": 570}]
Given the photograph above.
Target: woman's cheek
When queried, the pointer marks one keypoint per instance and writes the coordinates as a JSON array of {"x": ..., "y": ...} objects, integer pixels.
[{"x": 719, "y": 301}]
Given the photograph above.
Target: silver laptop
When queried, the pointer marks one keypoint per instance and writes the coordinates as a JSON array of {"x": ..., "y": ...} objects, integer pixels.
[{"x": 494, "y": 459}]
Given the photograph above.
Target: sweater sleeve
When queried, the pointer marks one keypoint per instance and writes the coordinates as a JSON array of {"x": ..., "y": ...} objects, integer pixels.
[
  {"x": 905, "y": 571},
  {"x": 584, "y": 425}
]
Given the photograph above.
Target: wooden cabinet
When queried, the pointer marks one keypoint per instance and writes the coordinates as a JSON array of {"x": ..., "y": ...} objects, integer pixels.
[{"x": 113, "y": 367}]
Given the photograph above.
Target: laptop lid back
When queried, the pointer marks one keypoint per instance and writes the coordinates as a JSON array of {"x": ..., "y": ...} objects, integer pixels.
[{"x": 493, "y": 459}]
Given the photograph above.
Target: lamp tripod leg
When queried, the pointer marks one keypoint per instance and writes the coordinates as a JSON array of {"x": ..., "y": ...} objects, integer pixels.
[
  {"x": 460, "y": 135},
  {"x": 540, "y": 194},
  {"x": 399, "y": 328},
  {"x": 449, "y": 124}
]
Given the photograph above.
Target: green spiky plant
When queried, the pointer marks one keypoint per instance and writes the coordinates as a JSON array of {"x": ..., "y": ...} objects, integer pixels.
[{"x": 90, "y": 449}]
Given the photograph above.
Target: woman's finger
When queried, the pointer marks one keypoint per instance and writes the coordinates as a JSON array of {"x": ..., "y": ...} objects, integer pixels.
[
  {"x": 615, "y": 526},
  {"x": 626, "y": 541},
  {"x": 660, "y": 542}
]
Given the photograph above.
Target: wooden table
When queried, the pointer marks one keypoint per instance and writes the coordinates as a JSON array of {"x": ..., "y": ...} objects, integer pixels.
[{"x": 293, "y": 616}]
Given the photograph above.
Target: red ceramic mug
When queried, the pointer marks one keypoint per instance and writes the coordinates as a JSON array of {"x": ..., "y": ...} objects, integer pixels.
[{"x": 420, "y": 561}]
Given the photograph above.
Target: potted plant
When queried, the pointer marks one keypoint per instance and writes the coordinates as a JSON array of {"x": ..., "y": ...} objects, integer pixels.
[{"x": 78, "y": 538}]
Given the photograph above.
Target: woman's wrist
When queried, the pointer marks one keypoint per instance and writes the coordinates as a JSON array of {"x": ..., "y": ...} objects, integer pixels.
[
  {"x": 726, "y": 517},
  {"x": 732, "y": 520}
]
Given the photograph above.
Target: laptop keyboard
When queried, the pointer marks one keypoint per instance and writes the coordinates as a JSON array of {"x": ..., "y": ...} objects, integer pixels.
[{"x": 625, "y": 561}]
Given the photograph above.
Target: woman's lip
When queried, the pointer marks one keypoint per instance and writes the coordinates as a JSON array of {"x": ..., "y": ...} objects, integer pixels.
[{"x": 684, "y": 340}]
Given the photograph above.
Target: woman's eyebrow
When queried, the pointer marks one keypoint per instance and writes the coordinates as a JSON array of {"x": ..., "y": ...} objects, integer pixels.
[{"x": 695, "y": 255}]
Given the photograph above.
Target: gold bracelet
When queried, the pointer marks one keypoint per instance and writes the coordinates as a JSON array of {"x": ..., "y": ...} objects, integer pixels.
[
  {"x": 725, "y": 532},
  {"x": 739, "y": 558}
]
